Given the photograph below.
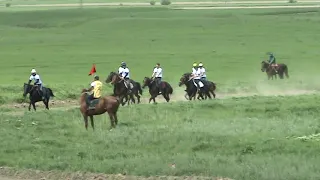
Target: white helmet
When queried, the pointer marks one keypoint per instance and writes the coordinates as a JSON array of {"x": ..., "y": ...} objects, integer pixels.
[
  {"x": 200, "y": 64},
  {"x": 33, "y": 71}
]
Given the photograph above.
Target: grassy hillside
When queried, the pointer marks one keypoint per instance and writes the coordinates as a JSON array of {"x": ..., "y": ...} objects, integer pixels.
[{"x": 63, "y": 44}]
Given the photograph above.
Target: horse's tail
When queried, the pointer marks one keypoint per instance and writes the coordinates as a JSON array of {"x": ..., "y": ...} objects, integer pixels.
[
  {"x": 139, "y": 88},
  {"x": 285, "y": 69},
  {"x": 50, "y": 92},
  {"x": 170, "y": 89}
]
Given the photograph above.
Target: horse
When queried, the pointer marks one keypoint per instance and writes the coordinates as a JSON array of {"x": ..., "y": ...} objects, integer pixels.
[
  {"x": 211, "y": 87},
  {"x": 36, "y": 96},
  {"x": 120, "y": 89},
  {"x": 270, "y": 71},
  {"x": 165, "y": 87},
  {"x": 99, "y": 106},
  {"x": 192, "y": 88}
]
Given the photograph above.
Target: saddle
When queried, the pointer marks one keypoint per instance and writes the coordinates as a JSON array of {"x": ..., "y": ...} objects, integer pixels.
[{"x": 92, "y": 104}]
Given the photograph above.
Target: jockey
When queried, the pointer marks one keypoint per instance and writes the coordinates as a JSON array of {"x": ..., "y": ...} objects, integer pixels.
[
  {"x": 95, "y": 89},
  {"x": 195, "y": 75},
  {"x": 202, "y": 72},
  {"x": 125, "y": 75},
  {"x": 272, "y": 61},
  {"x": 157, "y": 75},
  {"x": 37, "y": 81}
]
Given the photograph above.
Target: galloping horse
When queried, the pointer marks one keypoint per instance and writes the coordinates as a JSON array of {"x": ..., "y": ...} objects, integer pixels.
[
  {"x": 36, "y": 96},
  {"x": 165, "y": 88},
  {"x": 99, "y": 106},
  {"x": 270, "y": 71},
  {"x": 192, "y": 88},
  {"x": 120, "y": 89},
  {"x": 211, "y": 87}
]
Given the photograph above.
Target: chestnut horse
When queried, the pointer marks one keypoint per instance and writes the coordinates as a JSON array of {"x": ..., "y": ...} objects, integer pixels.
[{"x": 104, "y": 104}]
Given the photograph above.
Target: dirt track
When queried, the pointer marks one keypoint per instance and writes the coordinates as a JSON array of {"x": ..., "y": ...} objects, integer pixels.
[{"x": 173, "y": 3}]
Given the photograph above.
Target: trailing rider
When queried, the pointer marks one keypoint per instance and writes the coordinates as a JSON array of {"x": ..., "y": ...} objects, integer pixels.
[{"x": 272, "y": 62}]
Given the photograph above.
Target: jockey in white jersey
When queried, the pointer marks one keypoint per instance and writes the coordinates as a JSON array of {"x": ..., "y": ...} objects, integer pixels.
[
  {"x": 157, "y": 75},
  {"x": 202, "y": 72},
  {"x": 125, "y": 75},
  {"x": 37, "y": 81},
  {"x": 195, "y": 75}
]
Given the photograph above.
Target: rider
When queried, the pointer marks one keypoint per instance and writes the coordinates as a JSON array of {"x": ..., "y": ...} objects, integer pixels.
[
  {"x": 202, "y": 72},
  {"x": 125, "y": 75},
  {"x": 195, "y": 75},
  {"x": 96, "y": 87},
  {"x": 272, "y": 61},
  {"x": 157, "y": 75},
  {"x": 37, "y": 81}
]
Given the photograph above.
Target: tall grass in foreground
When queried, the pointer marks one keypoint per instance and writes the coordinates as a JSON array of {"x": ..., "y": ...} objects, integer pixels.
[{"x": 240, "y": 138}]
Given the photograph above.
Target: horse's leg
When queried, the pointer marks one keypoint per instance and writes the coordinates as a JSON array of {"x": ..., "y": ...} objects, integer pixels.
[
  {"x": 166, "y": 96},
  {"x": 138, "y": 97},
  {"x": 46, "y": 103},
  {"x": 111, "y": 116},
  {"x": 115, "y": 118},
  {"x": 213, "y": 94},
  {"x": 154, "y": 98},
  {"x": 34, "y": 105},
  {"x": 132, "y": 98},
  {"x": 85, "y": 118},
  {"x": 121, "y": 100},
  {"x": 30, "y": 105},
  {"x": 92, "y": 123},
  {"x": 208, "y": 94}
]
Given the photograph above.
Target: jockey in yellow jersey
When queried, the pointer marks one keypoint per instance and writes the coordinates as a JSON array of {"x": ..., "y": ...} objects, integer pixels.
[{"x": 96, "y": 87}]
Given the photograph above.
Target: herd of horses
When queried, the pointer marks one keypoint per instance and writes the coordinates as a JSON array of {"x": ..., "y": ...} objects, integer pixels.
[{"x": 121, "y": 95}]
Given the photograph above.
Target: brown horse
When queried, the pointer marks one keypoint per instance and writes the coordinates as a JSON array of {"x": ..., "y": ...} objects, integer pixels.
[
  {"x": 165, "y": 87},
  {"x": 99, "y": 106},
  {"x": 282, "y": 69},
  {"x": 120, "y": 89}
]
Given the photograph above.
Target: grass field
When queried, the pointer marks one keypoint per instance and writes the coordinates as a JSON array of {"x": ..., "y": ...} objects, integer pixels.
[{"x": 249, "y": 137}]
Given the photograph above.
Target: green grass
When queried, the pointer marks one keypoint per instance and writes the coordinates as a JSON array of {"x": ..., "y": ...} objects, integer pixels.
[
  {"x": 241, "y": 138},
  {"x": 63, "y": 44}
]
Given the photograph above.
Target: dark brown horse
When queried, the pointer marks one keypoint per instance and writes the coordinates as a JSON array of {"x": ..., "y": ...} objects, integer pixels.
[
  {"x": 192, "y": 89},
  {"x": 36, "y": 96},
  {"x": 211, "y": 86},
  {"x": 282, "y": 69},
  {"x": 164, "y": 87},
  {"x": 104, "y": 104},
  {"x": 120, "y": 89}
]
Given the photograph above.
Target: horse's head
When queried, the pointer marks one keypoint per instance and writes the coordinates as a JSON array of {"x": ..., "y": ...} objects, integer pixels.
[
  {"x": 264, "y": 65},
  {"x": 84, "y": 90},
  {"x": 26, "y": 89},
  {"x": 146, "y": 82},
  {"x": 113, "y": 78},
  {"x": 84, "y": 94},
  {"x": 184, "y": 78}
]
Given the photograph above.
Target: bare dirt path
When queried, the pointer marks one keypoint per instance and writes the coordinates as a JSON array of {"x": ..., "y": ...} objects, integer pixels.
[{"x": 148, "y": 4}]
